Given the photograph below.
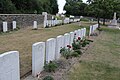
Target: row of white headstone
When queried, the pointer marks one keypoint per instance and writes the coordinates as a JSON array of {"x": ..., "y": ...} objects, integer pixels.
[
  {"x": 76, "y": 20},
  {"x": 50, "y": 50},
  {"x": 41, "y": 52},
  {"x": 50, "y": 23},
  {"x": 93, "y": 28},
  {"x": 5, "y": 26},
  {"x": 66, "y": 21}
]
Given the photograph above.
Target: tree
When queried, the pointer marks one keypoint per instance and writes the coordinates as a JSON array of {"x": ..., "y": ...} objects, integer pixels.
[
  {"x": 28, "y": 6},
  {"x": 75, "y": 7},
  {"x": 103, "y": 8},
  {"x": 6, "y": 6}
]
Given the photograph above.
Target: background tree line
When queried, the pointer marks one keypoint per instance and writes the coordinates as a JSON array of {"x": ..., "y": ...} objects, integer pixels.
[
  {"x": 94, "y": 8},
  {"x": 28, "y": 6}
]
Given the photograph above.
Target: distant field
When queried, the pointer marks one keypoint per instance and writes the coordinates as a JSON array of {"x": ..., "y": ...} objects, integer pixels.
[
  {"x": 23, "y": 39},
  {"x": 101, "y": 61}
]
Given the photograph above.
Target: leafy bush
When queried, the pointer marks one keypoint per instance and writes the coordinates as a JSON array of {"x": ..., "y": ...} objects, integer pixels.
[
  {"x": 78, "y": 51},
  {"x": 76, "y": 43},
  {"x": 65, "y": 52},
  {"x": 50, "y": 67},
  {"x": 84, "y": 42},
  {"x": 48, "y": 78},
  {"x": 74, "y": 54}
]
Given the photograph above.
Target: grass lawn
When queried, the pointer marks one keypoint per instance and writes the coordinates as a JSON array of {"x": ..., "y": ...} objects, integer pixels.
[
  {"x": 23, "y": 39},
  {"x": 101, "y": 61}
]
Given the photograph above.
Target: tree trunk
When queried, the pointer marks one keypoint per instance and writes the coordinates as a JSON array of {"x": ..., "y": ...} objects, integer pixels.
[
  {"x": 103, "y": 21},
  {"x": 98, "y": 22}
]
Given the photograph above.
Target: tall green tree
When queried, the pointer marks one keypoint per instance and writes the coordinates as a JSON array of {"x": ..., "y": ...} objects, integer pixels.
[
  {"x": 75, "y": 7},
  {"x": 28, "y": 6},
  {"x": 103, "y": 8},
  {"x": 6, "y": 6}
]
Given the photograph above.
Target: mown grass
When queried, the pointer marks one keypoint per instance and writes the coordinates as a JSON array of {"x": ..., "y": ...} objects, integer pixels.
[
  {"x": 101, "y": 61},
  {"x": 23, "y": 39}
]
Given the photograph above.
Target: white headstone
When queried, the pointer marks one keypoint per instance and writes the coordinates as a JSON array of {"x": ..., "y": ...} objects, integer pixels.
[
  {"x": 5, "y": 28},
  {"x": 50, "y": 49},
  {"x": 38, "y": 57},
  {"x": 90, "y": 31},
  {"x": 71, "y": 37},
  {"x": 35, "y": 25},
  {"x": 45, "y": 23},
  {"x": 9, "y": 66},
  {"x": 84, "y": 32},
  {"x": 66, "y": 39},
  {"x": 45, "y": 18},
  {"x": 76, "y": 32},
  {"x": 79, "y": 33},
  {"x": 14, "y": 25},
  {"x": 59, "y": 45}
]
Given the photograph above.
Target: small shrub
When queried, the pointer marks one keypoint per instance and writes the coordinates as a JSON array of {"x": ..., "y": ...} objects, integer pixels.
[
  {"x": 65, "y": 52},
  {"x": 50, "y": 67},
  {"x": 84, "y": 42},
  {"x": 78, "y": 51},
  {"x": 62, "y": 50},
  {"x": 48, "y": 78},
  {"x": 76, "y": 43},
  {"x": 18, "y": 27},
  {"x": 74, "y": 54}
]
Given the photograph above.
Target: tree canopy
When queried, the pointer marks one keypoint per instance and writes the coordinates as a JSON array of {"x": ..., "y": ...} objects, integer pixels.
[
  {"x": 95, "y": 8},
  {"x": 28, "y": 6},
  {"x": 75, "y": 7}
]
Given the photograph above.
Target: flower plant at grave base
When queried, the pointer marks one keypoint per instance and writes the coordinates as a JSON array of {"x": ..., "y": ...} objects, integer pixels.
[
  {"x": 50, "y": 67},
  {"x": 85, "y": 42},
  {"x": 77, "y": 45},
  {"x": 65, "y": 52},
  {"x": 48, "y": 78}
]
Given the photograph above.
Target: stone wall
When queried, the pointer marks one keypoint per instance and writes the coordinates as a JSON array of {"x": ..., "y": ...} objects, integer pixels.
[{"x": 23, "y": 20}]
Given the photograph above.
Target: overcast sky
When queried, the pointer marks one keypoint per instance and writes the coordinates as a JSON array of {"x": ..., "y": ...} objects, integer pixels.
[{"x": 61, "y": 4}]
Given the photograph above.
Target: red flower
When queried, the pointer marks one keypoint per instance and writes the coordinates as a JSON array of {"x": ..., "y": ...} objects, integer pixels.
[
  {"x": 68, "y": 46},
  {"x": 79, "y": 38},
  {"x": 75, "y": 34}
]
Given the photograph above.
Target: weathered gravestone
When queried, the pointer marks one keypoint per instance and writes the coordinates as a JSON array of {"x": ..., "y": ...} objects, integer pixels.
[
  {"x": 14, "y": 25},
  {"x": 45, "y": 18},
  {"x": 38, "y": 57},
  {"x": 66, "y": 39},
  {"x": 5, "y": 28},
  {"x": 35, "y": 25},
  {"x": 76, "y": 34},
  {"x": 9, "y": 66},
  {"x": 90, "y": 31},
  {"x": 71, "y": 37},
  {"x": 59, "y": 45},
  {"x": 84, "y": 32},
  {"x": 79, "y": 32},
  {"x": 50, "y": 49}
]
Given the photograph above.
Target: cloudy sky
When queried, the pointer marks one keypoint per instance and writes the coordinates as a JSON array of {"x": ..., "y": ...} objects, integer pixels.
[{"x": 61, "y": 4}]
